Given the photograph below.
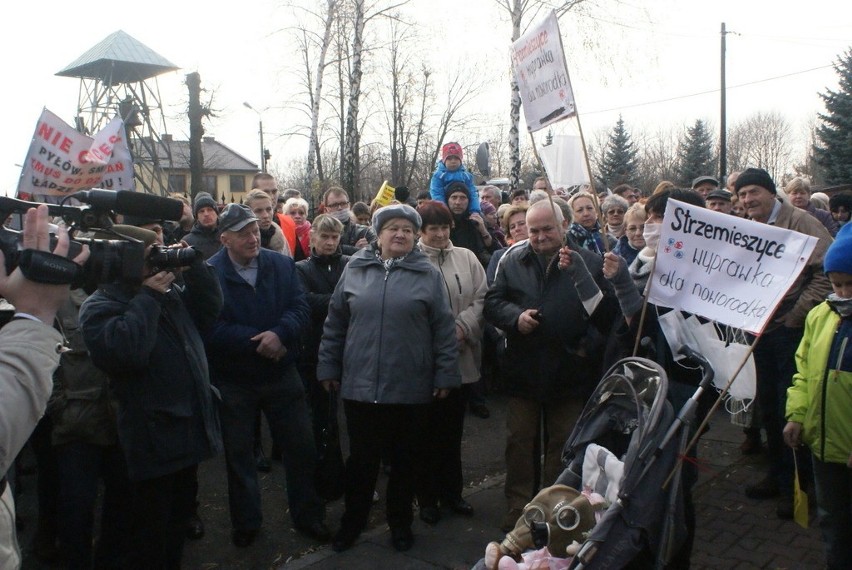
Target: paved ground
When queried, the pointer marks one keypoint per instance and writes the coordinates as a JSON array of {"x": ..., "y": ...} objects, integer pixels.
[{"x": 733, "y": 531}]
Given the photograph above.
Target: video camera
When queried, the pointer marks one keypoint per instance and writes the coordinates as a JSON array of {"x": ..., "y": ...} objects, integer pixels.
[{"x": 110, "y": 260}]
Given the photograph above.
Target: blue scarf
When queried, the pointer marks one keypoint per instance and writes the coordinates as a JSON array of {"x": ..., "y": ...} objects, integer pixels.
[{"x": 589, "y": 239}]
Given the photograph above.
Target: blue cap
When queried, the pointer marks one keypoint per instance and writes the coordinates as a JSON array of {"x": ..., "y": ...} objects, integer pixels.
[{"x": 838, "y": 258}]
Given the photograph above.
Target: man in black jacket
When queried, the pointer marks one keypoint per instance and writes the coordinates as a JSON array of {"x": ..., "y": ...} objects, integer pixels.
[
  {"x": 204, "y": 235},
  {"x": 555, "y": 323},
  {"x": 468, "y": 229},
  {"x": 146, "y": 337}
]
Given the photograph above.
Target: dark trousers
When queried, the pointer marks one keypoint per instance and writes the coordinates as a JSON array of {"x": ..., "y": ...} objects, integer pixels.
[
  {"x": 318, "y": 400},
  {"x": 160, "y": 508},
  {"x": 47, "y": 482},
  {"x": 282, "y": 400},
  {"x": 834, "y": 511},
  {"x": 775, "y": 364},
  {"x": 81, "y": 467},
  {"x": 372, "y": 428},
  {"x": 440, "y": 469}
]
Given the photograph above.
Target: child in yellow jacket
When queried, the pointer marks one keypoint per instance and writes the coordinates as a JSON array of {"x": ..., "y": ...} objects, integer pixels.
[{"x": 819, "y": 403}]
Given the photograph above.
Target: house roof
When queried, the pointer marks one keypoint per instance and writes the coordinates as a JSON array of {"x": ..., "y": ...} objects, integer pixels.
[
  {"x": 217, "y": 156},
  {"x": 118, "y": 58}
]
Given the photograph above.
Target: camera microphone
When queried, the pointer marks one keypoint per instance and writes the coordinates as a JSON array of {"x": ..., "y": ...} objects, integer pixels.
[{"x": 132, "y": 203}]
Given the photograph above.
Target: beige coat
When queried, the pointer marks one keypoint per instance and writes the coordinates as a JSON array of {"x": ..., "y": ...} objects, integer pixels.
[
  {"x": 28, "y": 356},
  {"x": 811, "y": 286},
  {"x": 466, "y": 285}
]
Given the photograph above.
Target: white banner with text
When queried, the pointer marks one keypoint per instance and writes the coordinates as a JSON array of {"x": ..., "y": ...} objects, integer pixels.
[
  {"x": 62, "y": 160},
  {"x": 724, "y": 268},
  {"x": 538, "y": 62}
]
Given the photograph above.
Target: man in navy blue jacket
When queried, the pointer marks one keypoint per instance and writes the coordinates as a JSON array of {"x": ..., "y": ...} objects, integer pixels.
[{"x": 252, "y": 350}]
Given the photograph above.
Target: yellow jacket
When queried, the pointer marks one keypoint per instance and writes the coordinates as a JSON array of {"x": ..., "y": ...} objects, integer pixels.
[{"x": 821, "y": 395}]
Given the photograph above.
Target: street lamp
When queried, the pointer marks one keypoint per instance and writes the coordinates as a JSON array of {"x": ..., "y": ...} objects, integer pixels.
[{"x": 260, "y": 126}]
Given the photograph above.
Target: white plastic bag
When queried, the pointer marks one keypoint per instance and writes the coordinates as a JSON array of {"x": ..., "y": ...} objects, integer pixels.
[{"x": 724, "y": 354}]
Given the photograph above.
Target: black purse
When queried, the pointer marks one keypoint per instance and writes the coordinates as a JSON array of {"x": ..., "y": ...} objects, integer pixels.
[{"x": 329, "y": 478}]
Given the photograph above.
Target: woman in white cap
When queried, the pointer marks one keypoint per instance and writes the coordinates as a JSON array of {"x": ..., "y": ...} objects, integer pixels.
[{"x": 389, "y": 346}]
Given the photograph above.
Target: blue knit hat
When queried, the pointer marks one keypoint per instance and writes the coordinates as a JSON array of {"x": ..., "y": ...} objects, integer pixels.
[{"x": 838, "y": 258}]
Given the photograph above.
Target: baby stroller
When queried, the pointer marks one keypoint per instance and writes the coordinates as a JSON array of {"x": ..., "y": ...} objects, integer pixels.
[{"x": 625, "y": 445}]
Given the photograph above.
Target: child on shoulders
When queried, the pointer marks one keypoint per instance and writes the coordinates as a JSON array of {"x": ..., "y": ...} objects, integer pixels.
[{"x": 450, "y": 170}]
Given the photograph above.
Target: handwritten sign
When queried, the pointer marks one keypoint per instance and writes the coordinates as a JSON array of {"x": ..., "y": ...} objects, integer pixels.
[
  {"x": 538, "y": 62},
  {"x": 725, "y": 268},
  {"x": 62, "y": 161}
]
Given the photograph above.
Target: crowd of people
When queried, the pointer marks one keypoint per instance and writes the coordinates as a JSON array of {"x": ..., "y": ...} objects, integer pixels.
[{"x": 407, "y": 315}]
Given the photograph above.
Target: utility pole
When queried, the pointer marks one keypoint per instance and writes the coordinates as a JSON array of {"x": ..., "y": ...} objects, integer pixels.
[
  {"x": 723, "y": 134},
  {"x": 263, "y": 152}
]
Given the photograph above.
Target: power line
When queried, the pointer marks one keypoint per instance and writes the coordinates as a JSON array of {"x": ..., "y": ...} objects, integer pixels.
[
  {"x": 656, "y": 30},
  {"x": 707, "y": 92}
]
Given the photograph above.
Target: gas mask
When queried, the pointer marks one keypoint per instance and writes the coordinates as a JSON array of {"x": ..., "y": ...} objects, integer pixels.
[{"x": 555, "y": 518}]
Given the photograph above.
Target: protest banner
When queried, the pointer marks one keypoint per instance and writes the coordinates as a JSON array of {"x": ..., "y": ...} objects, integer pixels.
[
  {"x": 724, "y": 268},
  {"x": 538, "y": 63},
  {"x": 62, "y": 161},
  {"x": 385, "y": 194}
]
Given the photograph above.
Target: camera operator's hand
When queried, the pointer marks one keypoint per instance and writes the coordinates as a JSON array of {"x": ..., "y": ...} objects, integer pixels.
[
  {"x": 269, "y": 345},
  {"x": 40, "y": 300},
  {"x": 160, "y": 282}
]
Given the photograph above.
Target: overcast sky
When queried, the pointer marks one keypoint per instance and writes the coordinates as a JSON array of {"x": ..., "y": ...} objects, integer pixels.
[{"x": 653, "y": 59}]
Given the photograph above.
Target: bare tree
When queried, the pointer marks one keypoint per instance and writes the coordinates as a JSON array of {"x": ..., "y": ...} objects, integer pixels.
[
  {"x": 809, "y": 167},
  {"x": 658, "y": 158},
  {"x": 349, "y": 171},
  {"x": 761, "y": 140},
  {"x": 403, "y": 126},
  {"x": 314, "y": 83},
  {"x": 361, "y": 14},
  {"x": 461, "y": 90},
  {"x": 517, "y": 9}
]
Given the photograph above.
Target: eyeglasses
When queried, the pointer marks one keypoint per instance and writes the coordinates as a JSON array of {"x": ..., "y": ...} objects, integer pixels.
[
  {"x": 337, "y": 205},
  {"x": 616, "y": 212}
]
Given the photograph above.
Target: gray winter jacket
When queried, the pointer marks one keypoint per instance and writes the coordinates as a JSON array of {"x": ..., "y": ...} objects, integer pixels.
[{"x": 390, "y": 335}]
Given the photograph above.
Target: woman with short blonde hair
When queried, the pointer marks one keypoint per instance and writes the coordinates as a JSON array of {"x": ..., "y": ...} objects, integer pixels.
[{"x": 297, "y": 208}]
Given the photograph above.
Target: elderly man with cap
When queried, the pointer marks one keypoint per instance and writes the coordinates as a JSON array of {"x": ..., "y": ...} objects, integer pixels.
[
  {"x": 389, "y": 346},
  {"x": 146, "y": 336},
  {"x": 252, "y": 349},
  {"x": 704, "y": 185},
  {"x": 719, "y": 200},
  {"x": 204, "y": 235},
  {"x": 774, "y": 353}
]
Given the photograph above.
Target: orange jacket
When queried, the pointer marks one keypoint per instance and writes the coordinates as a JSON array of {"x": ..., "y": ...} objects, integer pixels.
[{"x": 288, "y": 226}]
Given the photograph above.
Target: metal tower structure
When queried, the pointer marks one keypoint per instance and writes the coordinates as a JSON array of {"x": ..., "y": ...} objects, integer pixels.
[{"x": 118, "y": 75}]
